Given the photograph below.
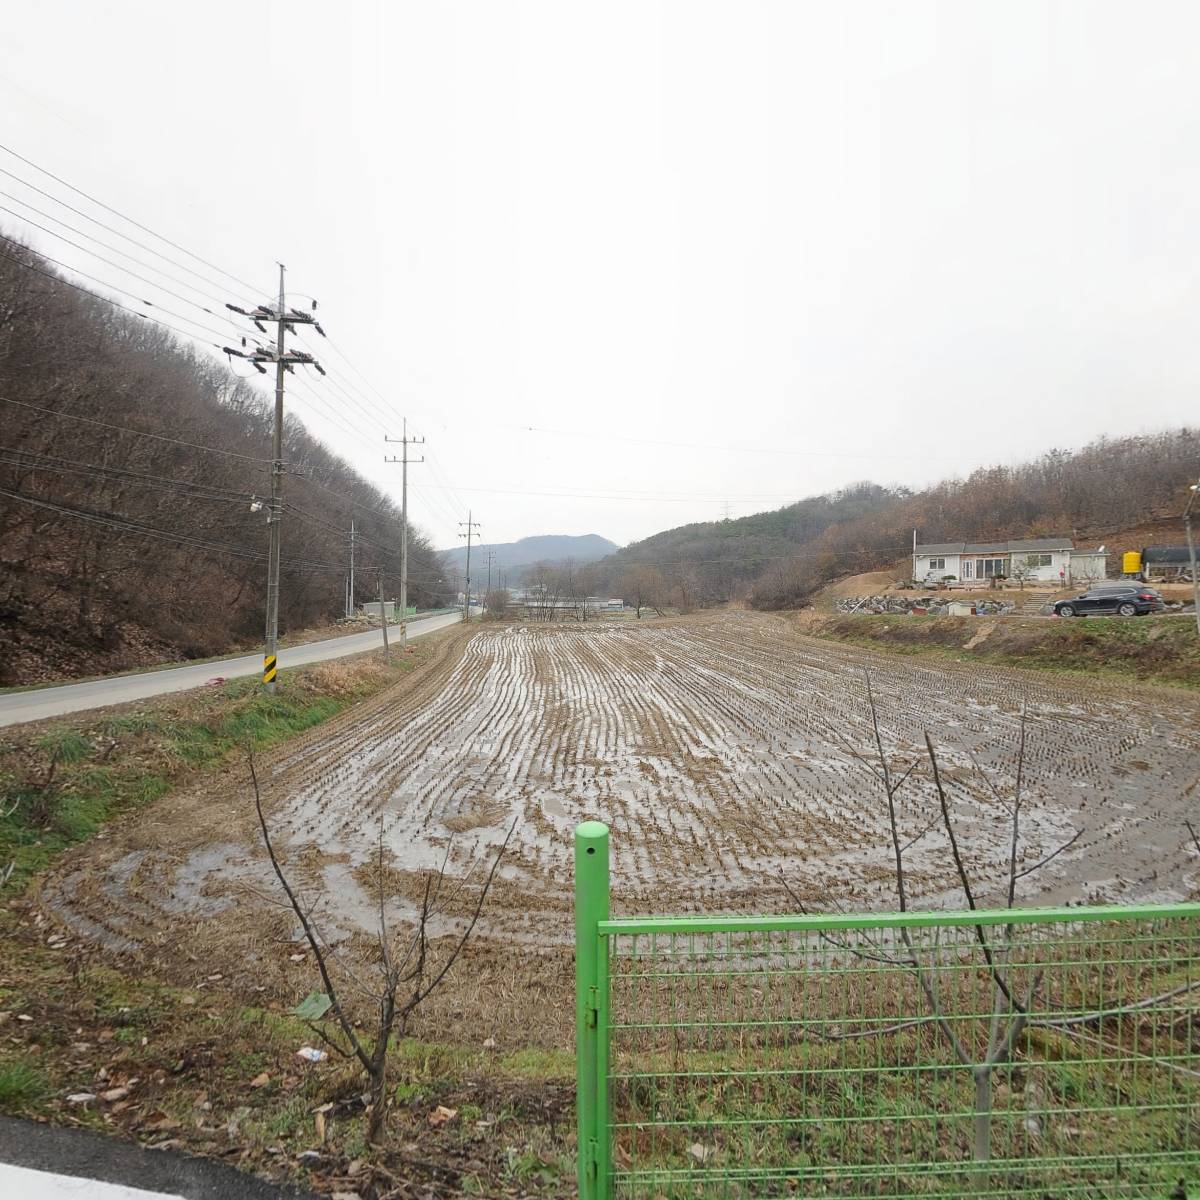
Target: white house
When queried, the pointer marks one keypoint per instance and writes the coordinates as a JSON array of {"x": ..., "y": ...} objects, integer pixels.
[{"x": 1049, "y": 560}]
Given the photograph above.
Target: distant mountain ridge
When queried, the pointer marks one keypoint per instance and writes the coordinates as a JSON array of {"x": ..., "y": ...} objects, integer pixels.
[{"x": 515, "y": 557}]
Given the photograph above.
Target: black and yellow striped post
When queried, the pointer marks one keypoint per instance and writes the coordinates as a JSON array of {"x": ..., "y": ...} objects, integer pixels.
[{"x": 269, "y": 668}]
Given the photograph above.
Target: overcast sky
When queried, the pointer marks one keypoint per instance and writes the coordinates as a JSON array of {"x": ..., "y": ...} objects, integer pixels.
[{"x": 626, "y": 265}]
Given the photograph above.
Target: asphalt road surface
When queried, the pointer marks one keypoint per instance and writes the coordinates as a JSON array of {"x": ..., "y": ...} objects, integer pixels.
[
  {"x": 16, "y": 707},
  {"x": 42, "y": 1162}
]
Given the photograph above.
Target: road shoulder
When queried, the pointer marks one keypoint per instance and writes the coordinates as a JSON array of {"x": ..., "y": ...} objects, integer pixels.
[{"x": 84, "y": 1154}]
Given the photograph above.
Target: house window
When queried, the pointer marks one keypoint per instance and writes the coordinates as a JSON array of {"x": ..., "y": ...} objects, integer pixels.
[
  {"x": 937, "y": 564},
  {"x": 1039, "y": 560},
  {"x": 988, "y": 568}
]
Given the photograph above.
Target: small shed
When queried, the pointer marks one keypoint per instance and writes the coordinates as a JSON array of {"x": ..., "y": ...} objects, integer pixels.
[
  {"x": 960, "y": 608},
  {"x": 1166, "y": 562}
]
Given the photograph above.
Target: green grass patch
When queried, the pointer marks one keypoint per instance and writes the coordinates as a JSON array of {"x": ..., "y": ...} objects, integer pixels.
[
  {"x": 22, "y": 1086},
  {"x": 58, "y": 788},
  {"x": 534, "y": 1063}
]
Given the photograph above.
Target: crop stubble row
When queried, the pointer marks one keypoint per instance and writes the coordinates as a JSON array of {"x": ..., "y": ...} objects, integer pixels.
[{"x": 722, "y": 751}]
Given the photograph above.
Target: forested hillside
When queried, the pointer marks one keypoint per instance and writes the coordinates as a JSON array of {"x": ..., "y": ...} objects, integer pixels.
[
  {"x": 777, "y": 559},
  {"x": 129, "y": 469},
  {"x": 714, "y": 561}
]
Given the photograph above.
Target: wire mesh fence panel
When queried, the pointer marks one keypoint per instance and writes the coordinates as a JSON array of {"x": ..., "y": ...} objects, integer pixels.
[{"x": 1054, "y": 1053}]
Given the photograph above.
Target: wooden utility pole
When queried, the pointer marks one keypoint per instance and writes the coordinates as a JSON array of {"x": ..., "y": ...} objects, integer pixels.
[
  {"x": 285, "y": 321},
  {"x": 471, "y": 527},
  {"x": 350, "y": 578},
  {"x": 405, "y": 441}
]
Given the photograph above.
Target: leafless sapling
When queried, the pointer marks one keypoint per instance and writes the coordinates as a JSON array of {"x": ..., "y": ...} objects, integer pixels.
[
  {"x": 1011, "y": 1005},
  {"x": 407, "y": 973}
]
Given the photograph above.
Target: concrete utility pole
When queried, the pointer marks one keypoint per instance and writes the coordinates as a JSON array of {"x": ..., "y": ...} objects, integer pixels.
[
  {"x": 405, "y": 441},
  {"x": 471, "y": 526},
  {"x": 387, "y": 654},
  {"x": 350, "y": 578},
  {"x": 285, "y": 322},
  {"x": 491, "y": 555}
]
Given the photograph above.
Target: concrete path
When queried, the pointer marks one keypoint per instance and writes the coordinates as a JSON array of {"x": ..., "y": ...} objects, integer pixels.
[
  {"x": 37, "y": 703},
  {"x": 45, "y": 1162}
]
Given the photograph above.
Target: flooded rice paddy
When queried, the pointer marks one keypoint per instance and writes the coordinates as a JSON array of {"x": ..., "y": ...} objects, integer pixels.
[{"x": 725, "y": 752}]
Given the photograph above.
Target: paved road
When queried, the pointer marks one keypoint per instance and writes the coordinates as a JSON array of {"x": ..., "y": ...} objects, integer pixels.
[
  {"x": 44, "y": 1162},
  {"x": 16, "y": 707}
]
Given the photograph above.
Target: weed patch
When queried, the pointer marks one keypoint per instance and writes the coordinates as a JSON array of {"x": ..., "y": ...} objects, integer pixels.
[{"x": 22, "y": 1086}]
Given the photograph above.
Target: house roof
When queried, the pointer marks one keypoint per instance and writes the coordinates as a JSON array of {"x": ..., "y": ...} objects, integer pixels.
[
  {"x": 1017, "y": 546},
  {"x": 1054, "y": 543}
]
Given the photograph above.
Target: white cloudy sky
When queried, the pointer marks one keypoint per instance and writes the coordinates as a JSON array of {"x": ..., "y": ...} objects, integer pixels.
[{"x": 627, "y": 263}]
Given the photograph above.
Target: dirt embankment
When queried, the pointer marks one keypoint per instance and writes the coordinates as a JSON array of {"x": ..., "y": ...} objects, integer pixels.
[{"x": 1154, "y": 649}]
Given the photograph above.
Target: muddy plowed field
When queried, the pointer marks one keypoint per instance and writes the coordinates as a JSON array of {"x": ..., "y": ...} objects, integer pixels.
[{"x": 723, "y": 751}]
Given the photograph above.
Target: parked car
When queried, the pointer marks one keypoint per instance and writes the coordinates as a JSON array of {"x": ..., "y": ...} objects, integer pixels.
[{"x": 1130, "y": 599}]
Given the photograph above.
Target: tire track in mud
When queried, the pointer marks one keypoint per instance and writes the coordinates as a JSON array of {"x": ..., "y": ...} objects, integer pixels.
[{"x": 722, "y": 750}]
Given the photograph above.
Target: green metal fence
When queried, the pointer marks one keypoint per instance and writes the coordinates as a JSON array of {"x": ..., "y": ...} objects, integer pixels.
[{"x": 1053, "y": 1053}]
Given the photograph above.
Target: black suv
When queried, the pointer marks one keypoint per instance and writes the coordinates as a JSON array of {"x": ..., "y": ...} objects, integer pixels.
[{"x": 1131, "y": 599}]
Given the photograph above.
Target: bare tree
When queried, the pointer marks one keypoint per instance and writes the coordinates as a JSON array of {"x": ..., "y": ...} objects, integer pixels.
[
  {"x": 1011, "y": 1005},
  {"x": 406, "y": 973},
  {"x": 496, "y": 604},
  {"x": 643, "y": 587},
  {"x": 543, "y": 590}
]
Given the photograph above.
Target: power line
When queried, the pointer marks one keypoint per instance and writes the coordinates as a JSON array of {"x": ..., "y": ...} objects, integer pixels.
[
  {"x": 96, "y": 221},
  {"x": 356, "y": 396},
  {"x": 115, "y": 303},
  {"x": 354, "y": 504},
  {"x": 334, "y": 416},
  {"x": 137, "y": 224},
  {"x": 105, "y": 283},
  {"x": 158, "y": 437},
  {"x": 74, "y": 466},
  {"x": 106, "y": 246},
  {"x": 385, "y": 407},
  {"x": 126, "y": 525}
]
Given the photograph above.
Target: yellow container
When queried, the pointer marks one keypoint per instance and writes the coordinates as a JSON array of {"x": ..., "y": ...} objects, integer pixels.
[{"x": 1131, "y": 562}]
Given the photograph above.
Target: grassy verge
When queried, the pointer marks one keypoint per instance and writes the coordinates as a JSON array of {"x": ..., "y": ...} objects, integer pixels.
[
  {"x": 217, "y": 1074},
  {"x": 62, "y": 779},
  {"x": 1163, "y": 650}
]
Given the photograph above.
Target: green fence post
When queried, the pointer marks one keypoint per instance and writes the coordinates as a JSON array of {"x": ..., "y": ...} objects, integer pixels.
[{"x": 591, "y": 907}]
